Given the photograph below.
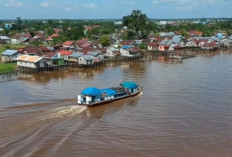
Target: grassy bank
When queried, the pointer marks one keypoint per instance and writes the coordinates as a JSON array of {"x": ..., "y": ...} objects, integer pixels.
[{"x": 7, "y": 67}]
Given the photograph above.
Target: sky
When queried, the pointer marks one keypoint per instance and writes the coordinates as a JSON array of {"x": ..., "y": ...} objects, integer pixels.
[{"x": 114, "y": 9}]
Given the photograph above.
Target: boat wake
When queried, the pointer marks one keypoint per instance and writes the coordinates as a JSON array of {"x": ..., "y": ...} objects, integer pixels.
[{"x": 61, "y": 112}]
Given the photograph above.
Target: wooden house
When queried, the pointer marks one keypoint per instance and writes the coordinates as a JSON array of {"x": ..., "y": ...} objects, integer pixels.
[
  {"x": 26, "y": 61},
  {"x": 98, "y": 56},
  {"x": 53, "y": 58},
  {"x": 153, "y": 46},
  {"x": 86, "y": 60},
  {"x": 69, "y": 45},
  {"x": 65, "y": 54},
  {"x": 74, "y": 57},
  {"x": 112, "y": 52},
  {"x": 10, "y": 55},
  {"x": 4, "y": 40},
  {"x": 128, "y": 51}
]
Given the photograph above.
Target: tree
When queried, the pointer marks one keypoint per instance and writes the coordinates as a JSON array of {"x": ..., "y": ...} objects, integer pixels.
[
  {"x": 137, "y": 22},
  {"x": 104, "y": 40},
  {"x": 143, "y": 46},
  {"x": 19, "y": 23},
  {"x": 75, "y": 33}
]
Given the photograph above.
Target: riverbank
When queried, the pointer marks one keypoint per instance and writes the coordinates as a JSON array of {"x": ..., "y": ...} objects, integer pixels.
[{"x": 7, "y": 67}]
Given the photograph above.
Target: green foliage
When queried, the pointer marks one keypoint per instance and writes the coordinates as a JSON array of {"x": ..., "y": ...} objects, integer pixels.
[
  {"x": 19, "y": 23},
  {"x": 104, "y": 40},
  {"x": 36, "y": 43},
  {"x": 137, "y": 22},
  {"x": 184, "y": 33},
  {"x": 59, "y": 40},
  {"x": 7, "y": 67},
  {"x": 74, "y": 33},
  {"x": 50, "y": 31},
  {"x": 143, "y": 46},
  {"x": 131, "y": 35}
]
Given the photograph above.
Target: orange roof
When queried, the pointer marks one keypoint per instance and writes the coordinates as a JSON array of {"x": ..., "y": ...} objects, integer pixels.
[
  {"x": 68, "y": 43},
  {"x": 28, "y": 58},
  {"x": 65, "y": 52},
  {"x": 52, "y": 36}
]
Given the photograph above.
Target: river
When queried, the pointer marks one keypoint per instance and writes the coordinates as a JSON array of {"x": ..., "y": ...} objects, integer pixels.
[{"x": 185, "y": 109}]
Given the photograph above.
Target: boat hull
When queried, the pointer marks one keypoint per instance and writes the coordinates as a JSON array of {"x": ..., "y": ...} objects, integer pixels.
[{"x": 112, "y": 100}]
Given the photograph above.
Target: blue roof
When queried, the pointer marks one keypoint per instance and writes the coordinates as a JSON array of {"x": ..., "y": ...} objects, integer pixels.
[
  {"x": 109, "y": 92},
  {"x": 76, "y": 54},
  {"x": 9, "y": 52},
  {"x": 91, "y": 91},
  {"x": 87, "y": 57},
  {"x": 126, "y": 47},
  {"x": 129, "y": 85},
  {"x": 94, "y": 53}
]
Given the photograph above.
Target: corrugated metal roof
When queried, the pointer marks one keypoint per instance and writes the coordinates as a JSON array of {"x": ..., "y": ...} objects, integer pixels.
[
  {"x": 87, "y": 57},
  {"x": 28, "y": 58},
  {"x": 4, "y": 38},
  {"x": 163, "y": 42},
  {"x": 9, "y": 52},
  {"x": 76, "y": 54},
  {"x": 94, "y": 53},
  {"x": 177, "y": 38},
  {"x": 112, "y": 49}
]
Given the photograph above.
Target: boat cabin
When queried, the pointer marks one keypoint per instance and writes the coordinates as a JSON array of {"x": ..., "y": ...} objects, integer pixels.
[{"x": 92, "y": 96}]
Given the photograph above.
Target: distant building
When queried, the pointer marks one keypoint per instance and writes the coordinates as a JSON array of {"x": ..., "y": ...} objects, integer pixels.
[
  {"x": 4, "y": 40},
  {"x": 118, "y": 23}
]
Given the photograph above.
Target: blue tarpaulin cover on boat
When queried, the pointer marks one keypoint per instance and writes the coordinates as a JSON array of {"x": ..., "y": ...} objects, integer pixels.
[
  {"x": 92, "y": 91},
  {"x": 129, "y": 85},
  {"x": 109, "y": 92}
]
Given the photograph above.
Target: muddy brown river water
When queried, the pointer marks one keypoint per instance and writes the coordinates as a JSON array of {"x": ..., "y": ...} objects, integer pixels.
[{"x": 185, "y": 110}]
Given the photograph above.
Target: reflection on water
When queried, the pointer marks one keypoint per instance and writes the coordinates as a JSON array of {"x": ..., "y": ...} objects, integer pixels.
[{"x": 185, "y": 110}]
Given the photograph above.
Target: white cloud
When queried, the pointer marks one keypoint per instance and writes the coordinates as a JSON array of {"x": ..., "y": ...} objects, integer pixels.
[
  {"x": 12, "y": 3},
  {"x": 44, "y": 5},
  {"x": 91, "y": 5}
]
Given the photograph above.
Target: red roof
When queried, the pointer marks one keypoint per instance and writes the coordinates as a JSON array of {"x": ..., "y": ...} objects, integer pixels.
[
  {"x": 85, "y": 45},
  {"x": 103, "y": 50},
  {"x": 82, "y": 41},
  {"x": 154, "y": 44},
  {"x": 68, "y": 43},
  {"x": 57, "y": 30},
  {"x": 67, "y": 53},
  {"x": 126, "y": 42},
  {"x": 36, "y": 49},
  {"x": 157, "y": 38},
  {"x": 86, "y": 50},
  {"x": 197, "y": 33}
]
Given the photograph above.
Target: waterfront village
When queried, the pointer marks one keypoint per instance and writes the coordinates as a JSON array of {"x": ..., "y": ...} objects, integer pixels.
[{"x": 30, "y": 48}]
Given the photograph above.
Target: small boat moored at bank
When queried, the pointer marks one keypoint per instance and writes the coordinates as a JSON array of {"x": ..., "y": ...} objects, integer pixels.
[{"x": 93, "y": 96}]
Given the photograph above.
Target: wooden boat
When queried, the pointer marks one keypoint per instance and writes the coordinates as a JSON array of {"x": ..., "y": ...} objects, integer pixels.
[{"x": 93, "y": 96}]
